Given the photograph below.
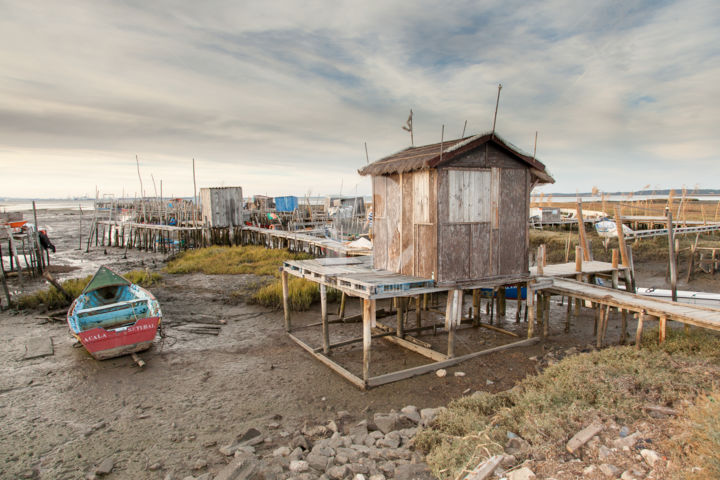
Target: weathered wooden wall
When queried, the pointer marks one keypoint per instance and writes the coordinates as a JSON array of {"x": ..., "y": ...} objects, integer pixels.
[
  {"x": 222, "y": 206},
  {"x": 465, "y": 221}
]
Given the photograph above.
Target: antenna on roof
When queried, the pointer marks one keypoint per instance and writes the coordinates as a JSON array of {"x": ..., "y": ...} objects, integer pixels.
[
  {"x": 464, "y": 126},
  {"x": 535, "y": 148},
  {"x": 408, "y": 127},
  {"x": 442, "y": 138},
  {"x": 367, "y": 157},
  {"x": 497, "y": 102}
]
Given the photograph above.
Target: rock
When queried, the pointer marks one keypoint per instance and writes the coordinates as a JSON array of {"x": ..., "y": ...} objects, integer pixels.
[
  {"x": 413, "y": 471},
  {"x": 412, "y": 413},
  {"x": 281, "y": 452},
  {"x": 523, "y": 473},
  {"x": 250, "y": 435},
  {"x": 155, "y": 466},
  {"x": 359, "y": 476},
  {"x": 604, "y": 452},
  {"x": 245, "y": 450},
  {"x": 516, "y": 446},
  {"x": 388, "y": 468},
  {"x": 316, "y": 431},
  {"x": 359, "y": 432},
  {"x": 209, "y": 443},
  {"x": 332, "y": 426},
  {"x": 298, "y": 466},
  {"x": 441, "y": 373},
  {"x": 628, "y": 475},
  {"x": 273, "y": 425},
  {"x": 385, "y": 423},
  {"x": 508, "y": 461},
  {"x": 358, "y": 468},
  {"x": 296, "y": 454},
  {"x": 651, "y": 457},
  {"x": 589, "y": 470},
  {"x": 351, "y": 454},
  {"x": 321, "y": 449},
  {"x": 229, "y": 450},
  {"x": 337, "y": 472},
  {"x": 389, "y": 441},
  {"x": 377, "y": 476},
  {"x": 318, "y": 461},
  {"x": 583, "y": 436},
  {"x": 628, "y": 441},
  {"x": 239, "y": 469},
  {"x": 300, "y": 441},
  {"x": 609, "y": 470},
  {"x": 205, "y": 476},
  {"x": 105, "y": 467},
  {"x": 459, "y": 374},
  {"x": 624, "y": 432},
  {"x": 200, "y": 464},
  {"x": 428, "y": 414}
]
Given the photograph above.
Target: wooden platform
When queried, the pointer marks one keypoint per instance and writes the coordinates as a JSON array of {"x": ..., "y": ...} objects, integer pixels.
[{"x": 355, "y": 276}]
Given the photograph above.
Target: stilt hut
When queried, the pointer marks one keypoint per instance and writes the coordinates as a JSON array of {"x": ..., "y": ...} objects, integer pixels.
[{"x": 455, "y": 211}]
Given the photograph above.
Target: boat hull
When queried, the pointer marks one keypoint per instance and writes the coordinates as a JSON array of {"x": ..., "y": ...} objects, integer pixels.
[{"x": 103, "y": 344}]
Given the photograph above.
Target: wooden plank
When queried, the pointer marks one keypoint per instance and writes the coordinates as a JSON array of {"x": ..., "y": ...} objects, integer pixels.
[
  {"x": 454, "y": 262},
  {"x": 512, "y": 252},
  {"x": 324, "y": 317},
  {"x": 419, "y": 349},
  {"x": 422, "y": 369},
  {"x": 286, "y": 300},
  {"x": 583, "y": 436},
  {"x": 347, "y": 375},
  {"x": 393, "y": 209},
  {"x": 407, "y": 231}
]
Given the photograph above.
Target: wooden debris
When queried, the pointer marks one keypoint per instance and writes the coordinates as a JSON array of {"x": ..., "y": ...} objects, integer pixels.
[
  {"x": 140, "y": 362},
  {"x": 583, "y": 436},
  {"x": 485, "y": 469},
  {"x": 38, "y": 347},
  {"x": 662, "y": 410}
]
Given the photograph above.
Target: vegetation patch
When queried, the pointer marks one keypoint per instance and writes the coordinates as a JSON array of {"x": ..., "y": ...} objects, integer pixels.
[
  {"x": 50, "y": 298},
  {"x": 250, "y": 259},
  {"x": 546, "y": 410},
  {"x": 699, "y": 449},
  {"x": 302, "y": 293}
]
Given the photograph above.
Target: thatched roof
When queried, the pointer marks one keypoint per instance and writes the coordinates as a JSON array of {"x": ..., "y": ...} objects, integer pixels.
[{"x": 430, "y": 156}]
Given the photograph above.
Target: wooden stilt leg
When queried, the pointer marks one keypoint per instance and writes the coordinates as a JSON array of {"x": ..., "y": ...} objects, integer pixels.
[
  {"x": 638, "y": 333},
  {"x": 568, "y": 314},
  {"x": 663, "y": 328},
  {"x": 368, "y": 321},
  {"x": 323, "y": 313},
  {"x": 530, "y": 310},
  {"x": 341, "y": 311},
  {"x": 450, "y": 322},
  {"x": 546, "y": 316},
  {"x": 418, "y": 312},
  {"x": 501, "y": 302},
  {"x": 519, "y": 303},
  {"x": 401, "y": 303},
  {"x": 476, "y": 307},
  {"x": 623, "y": 327},
  {"x": 286, "y": 300}
]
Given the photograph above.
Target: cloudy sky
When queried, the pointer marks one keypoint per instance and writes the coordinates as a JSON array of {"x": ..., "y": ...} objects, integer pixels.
[{"x": 279, "y": 96}]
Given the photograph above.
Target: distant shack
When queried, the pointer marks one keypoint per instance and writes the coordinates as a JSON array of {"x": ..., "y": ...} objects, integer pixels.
[
  {"x": 222, "y": 206},
  {"x": 455, "y": 211}
]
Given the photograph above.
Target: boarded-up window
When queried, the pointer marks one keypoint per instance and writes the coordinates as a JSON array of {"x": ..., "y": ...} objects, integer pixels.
[
  {"x": 469, "y": 195},
  {"x": 421, "y": 197}
]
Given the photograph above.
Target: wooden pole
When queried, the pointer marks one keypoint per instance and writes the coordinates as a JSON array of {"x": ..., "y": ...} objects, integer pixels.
[
  {"x": 38, "y": 247},
  {"x": 368, "y": 321},
  {"x": 587, "y": 255},
  {"x": 142, "y": 193},
  {"x": 546, "y": 315},
  {"x": 623, "y": 327},
  {"x": 286, "y": 300},
  {"x": 578, "y": 259},
  {"x": 530, "y": 309},
  {"x": 621, "y": 237},
  {"x": 671, "y": 253},
  {"x": 497, "y": 103},
  {"x": 195, "y": 205},
  {"x": 418, "y": 312},
  {"x": 662, "y": 328},
  {"x": 501, "y": 302},
  {"x": 401, "y": 304},
  {"x": 519, "y": 302},
  {"x": 341, "y": 311}
]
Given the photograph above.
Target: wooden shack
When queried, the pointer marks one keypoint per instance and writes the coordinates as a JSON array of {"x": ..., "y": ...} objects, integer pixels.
[
  {"x": 222, "y": 206},
  {"x": 455, "y": 211}
]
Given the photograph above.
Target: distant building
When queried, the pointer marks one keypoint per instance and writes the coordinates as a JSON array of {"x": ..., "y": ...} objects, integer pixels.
[
  {"x": 456, "y": 211},
  {"x": 222, "y": 206}
]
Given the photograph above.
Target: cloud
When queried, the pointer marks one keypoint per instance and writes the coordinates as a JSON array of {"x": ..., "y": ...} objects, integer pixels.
[{"x": 279, "y": 97}]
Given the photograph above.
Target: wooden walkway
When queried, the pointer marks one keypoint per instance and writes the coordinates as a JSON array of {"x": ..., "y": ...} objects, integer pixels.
[
  {"x": 698, "y": 315},
  {"x": 297, "y": 241}
]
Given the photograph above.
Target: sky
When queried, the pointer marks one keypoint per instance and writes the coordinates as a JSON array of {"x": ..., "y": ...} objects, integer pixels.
[{"x": 280, "y": 97}]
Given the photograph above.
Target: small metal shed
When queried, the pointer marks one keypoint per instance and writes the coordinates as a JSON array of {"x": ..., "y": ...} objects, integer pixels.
[
  {"x": 455, "y": 211},
  {"x": 222, "y": 206}
]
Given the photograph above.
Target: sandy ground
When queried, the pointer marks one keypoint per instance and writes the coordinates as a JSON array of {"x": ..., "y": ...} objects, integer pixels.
[{"x": 63, "y": 414}]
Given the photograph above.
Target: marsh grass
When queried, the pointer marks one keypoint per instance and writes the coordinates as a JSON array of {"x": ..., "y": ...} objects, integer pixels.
[
  {"x": 50, "y": 298},
  {"x": 217, "y": 260},
  {"x": 547, "y": 409},
  {"x": 302, "y": 294},
  {"x": 700, "y": 447}
]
